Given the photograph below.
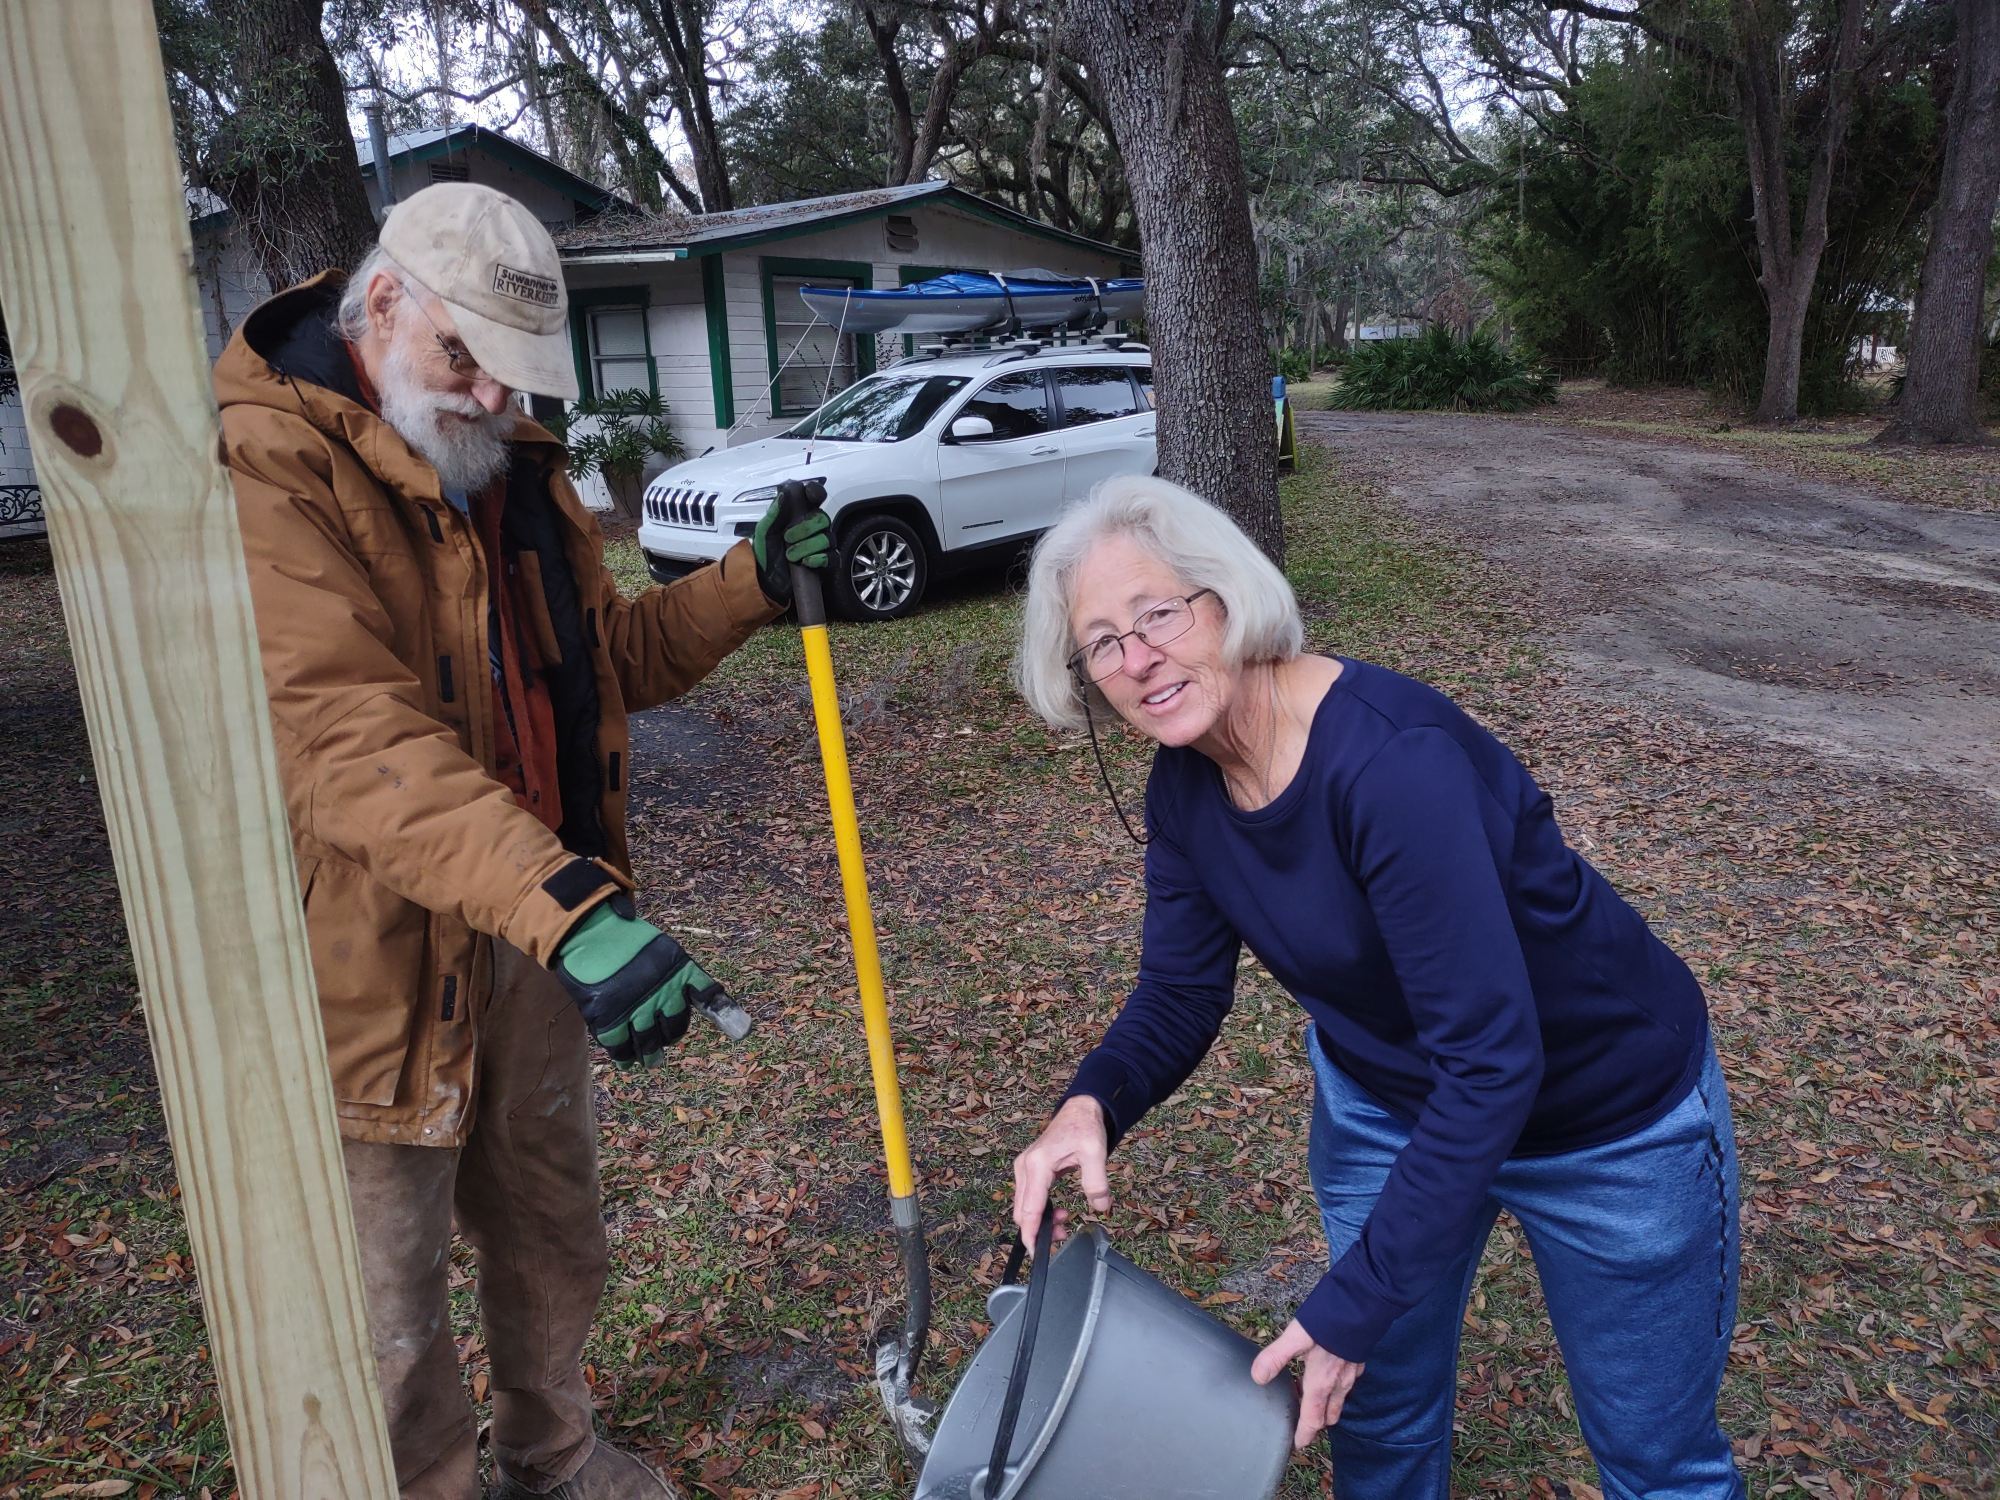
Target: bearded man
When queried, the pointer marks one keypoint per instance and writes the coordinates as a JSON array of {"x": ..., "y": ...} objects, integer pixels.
[{"x": 449, "y": 668}]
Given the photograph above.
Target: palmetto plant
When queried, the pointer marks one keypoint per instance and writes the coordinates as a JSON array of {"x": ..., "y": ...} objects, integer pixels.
[
  {"x": 630, "y": 429},
  {"x": 1437, "y": 372}
]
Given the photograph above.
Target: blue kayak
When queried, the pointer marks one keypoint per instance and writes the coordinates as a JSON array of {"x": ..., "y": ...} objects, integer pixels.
[{"x": 975, "y": 301}]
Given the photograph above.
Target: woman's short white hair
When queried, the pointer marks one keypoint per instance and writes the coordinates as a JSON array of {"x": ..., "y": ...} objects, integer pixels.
[
  {"x": 1203, "y": 546},
  {"x": 351, "y": 321}
]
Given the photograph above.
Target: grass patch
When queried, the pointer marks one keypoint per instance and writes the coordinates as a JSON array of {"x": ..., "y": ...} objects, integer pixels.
[{"x": 1315, "y": 394}]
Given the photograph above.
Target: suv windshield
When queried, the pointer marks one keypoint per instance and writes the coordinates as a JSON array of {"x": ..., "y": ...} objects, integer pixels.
[{"x": 881, "y": 409}]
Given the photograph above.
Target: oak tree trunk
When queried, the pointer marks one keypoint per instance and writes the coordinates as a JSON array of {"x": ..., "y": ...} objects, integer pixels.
[
  {"x": 1155, "y": 68},
  {"x": 1343, "y": 309},
  {"x": 1940, "y": 401},
  {"x": 1788, "y": 299},
  {"x": 285, "y": 163},
  {"x": 1788, "y": 266}
]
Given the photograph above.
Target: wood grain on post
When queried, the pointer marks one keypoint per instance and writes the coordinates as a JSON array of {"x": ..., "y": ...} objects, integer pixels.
[{"x": 95, "y": 278}]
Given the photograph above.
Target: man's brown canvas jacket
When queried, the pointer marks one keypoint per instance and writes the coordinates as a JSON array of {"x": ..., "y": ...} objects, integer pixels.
[{"x": 371, "y": 597}]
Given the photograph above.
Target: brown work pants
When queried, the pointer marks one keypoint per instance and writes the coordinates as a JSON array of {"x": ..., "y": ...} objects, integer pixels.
[{"x": 524, "y": 1186}]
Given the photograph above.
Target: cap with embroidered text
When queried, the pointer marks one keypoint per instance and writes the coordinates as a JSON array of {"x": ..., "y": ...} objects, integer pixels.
[{"x": 493, "y": 265}]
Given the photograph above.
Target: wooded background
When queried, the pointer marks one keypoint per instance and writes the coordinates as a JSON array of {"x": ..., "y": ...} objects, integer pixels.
[{"x": 1727, "y": 193}]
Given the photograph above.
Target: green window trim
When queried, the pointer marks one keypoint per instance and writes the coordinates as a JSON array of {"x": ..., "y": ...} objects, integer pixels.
[
  {"x": 715, "y": 313},
  {"x": 581, "y": 304},
  {"x": 770, "y": 266}
]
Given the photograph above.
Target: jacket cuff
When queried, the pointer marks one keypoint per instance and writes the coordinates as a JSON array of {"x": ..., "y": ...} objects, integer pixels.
[
  {"x": 1341, "y": 1323},
  {"x": 558, "y": 897},
  {"x": 1104, "y": 1078},
  {"x": 741, "y": 591}
]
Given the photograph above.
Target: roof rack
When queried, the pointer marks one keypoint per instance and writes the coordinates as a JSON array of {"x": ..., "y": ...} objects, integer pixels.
[{"x": 1004, "y": 348}]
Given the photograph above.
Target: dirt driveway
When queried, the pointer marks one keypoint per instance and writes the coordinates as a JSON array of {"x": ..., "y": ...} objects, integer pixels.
[{"x": 1803, "y": 613}]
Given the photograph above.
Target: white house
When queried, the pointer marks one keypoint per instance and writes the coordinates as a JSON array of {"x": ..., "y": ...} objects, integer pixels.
[
  {"x": 1388, "y": 328},
  {"x": 231, "y": 282},
  {"x": 705, "y": 310},
  {"x": 20, "y": 496}
]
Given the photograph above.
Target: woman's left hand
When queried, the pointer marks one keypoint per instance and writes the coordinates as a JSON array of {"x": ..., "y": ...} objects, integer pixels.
[{"x": 1324, "y": 1389}]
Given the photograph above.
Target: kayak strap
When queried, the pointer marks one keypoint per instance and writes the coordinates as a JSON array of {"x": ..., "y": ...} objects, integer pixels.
[
  {"x": 1007, "y": 294},
  {"x": 1097, "y": 318}
]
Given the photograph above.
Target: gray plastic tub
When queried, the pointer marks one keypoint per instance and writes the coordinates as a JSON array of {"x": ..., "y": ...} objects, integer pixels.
[{"x": 1133, "y": 1393}]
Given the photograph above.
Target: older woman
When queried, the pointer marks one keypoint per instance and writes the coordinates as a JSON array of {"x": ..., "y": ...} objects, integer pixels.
[{"x": 1491, "y": 1026}]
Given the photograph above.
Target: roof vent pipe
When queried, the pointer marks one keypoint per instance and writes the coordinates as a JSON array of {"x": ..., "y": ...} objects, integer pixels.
[{"x": 378, "y": 147}]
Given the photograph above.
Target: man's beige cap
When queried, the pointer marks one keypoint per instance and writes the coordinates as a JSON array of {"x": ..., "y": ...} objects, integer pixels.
[{"x": 490, "y": 261}]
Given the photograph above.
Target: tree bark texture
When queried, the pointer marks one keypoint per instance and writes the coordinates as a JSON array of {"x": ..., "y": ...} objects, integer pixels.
[
  {"x": 644, "y": 168},
  {"x": 1155, "y": 67},
  {"x": 1940, "y": 401},
  {"x": 884, "y": 28},
  {"x": 1343, "y": 309},
  {"x": 1788, "y": 266},
  {"x": 286, "y": 164},
  {"x": 680, "y": 29}
]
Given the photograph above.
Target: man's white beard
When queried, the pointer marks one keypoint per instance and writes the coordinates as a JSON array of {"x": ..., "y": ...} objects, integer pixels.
[{"x": 468, "y": 456}]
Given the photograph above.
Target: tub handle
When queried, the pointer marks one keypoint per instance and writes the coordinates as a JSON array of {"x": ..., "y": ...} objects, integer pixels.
[{"x": 1024, "y": 1351}]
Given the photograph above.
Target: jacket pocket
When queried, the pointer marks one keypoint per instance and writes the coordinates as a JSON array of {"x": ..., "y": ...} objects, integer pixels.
[
  {"x": 368, "y": 949},
  {"x": 537, "y": 620}
]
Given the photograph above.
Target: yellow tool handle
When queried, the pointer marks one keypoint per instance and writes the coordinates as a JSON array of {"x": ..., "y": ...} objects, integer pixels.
[{"x": 860, "y": 914}]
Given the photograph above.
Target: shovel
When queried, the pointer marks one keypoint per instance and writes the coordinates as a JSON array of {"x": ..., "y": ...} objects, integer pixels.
[{"x": 896, "y": 1359}]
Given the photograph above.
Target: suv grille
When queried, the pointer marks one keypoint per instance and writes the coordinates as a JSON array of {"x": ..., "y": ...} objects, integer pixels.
[{"x": 682, "y": 506}]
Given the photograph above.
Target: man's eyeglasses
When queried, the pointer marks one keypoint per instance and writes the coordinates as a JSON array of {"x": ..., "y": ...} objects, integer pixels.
[
  {"x": 463, "y": 365},
  {"x": 1166, "y": 621}
]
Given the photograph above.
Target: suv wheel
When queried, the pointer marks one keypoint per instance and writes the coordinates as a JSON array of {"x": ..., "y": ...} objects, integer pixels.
[{"x": 882, "y": 570}]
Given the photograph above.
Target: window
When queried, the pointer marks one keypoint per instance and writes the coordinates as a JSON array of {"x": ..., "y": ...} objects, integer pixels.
[
  {"x": 813, "y": 361},
  {"x": 882, "y": 409},
  {"x": 1098, "y": 393},
  {"x": 1017, "y": 405},
  {"x": 620, "y": 354},
  {"x": 1143, "y": 374}
]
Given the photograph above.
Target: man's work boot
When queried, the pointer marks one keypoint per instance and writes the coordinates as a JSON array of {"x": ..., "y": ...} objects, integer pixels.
[{"x": 606, "y": 1475}]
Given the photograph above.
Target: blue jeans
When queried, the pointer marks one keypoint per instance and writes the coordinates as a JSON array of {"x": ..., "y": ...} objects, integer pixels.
[{"x": 1636, "y": 1244}]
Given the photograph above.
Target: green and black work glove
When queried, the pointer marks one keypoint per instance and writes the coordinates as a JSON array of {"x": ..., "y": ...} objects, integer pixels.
[
  {"x": 807, "y": 542},
  {"x": 633, "y": 983}
]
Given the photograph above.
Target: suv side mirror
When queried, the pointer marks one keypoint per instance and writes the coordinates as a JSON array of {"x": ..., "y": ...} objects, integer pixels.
[{"x": 971, "y": 429}]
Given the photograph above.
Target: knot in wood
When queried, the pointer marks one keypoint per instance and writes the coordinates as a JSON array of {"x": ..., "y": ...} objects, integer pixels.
[{"x": 77, "y": 430}]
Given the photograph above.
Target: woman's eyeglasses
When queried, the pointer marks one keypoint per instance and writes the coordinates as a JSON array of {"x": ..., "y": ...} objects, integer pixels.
[{"x": 1166, "y": 621}]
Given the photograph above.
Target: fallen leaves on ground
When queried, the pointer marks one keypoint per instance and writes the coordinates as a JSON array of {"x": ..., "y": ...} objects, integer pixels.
[{"x": 1844, "y": 925}]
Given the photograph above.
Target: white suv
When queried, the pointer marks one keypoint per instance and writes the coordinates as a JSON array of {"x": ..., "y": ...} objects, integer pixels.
[{"x": 931, "y": 465}]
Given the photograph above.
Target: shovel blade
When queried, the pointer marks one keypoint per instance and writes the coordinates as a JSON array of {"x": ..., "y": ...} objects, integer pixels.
[
  {"x": 910, "y": 1416},
  {"x": 724, "y": 1014}
]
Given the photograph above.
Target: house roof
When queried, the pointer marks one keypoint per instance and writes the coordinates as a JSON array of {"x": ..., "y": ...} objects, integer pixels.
[
  {"x": 614, "y": 236},
  {"x": 429, "y": 145}
]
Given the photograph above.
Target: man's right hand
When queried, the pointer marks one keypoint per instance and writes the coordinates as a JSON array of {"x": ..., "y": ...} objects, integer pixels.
[
  {"x": 633, "y": 983},
  {"x": 1075, "y": 1140}
]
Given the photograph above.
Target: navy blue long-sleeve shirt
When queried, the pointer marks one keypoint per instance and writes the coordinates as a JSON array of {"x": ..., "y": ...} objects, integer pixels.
[{"x": 1464, "y": 966}]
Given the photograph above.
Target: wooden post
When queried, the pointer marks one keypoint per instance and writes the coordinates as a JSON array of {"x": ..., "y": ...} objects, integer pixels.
[{"x": 94, "y": 274}]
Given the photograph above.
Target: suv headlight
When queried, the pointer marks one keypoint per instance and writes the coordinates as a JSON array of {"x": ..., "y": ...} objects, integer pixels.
[{"x": 763, "y": 496}]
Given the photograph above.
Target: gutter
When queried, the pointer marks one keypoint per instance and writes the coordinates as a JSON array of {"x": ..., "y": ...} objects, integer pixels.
[{"x": 605, "y": 256}]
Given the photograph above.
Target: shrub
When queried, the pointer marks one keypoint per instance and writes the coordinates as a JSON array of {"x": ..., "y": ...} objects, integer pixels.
[
  {"x": 631, "y": 428},
  {"x": 1294, "y": 365},
  {"x": 1436, "y": 372}
]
